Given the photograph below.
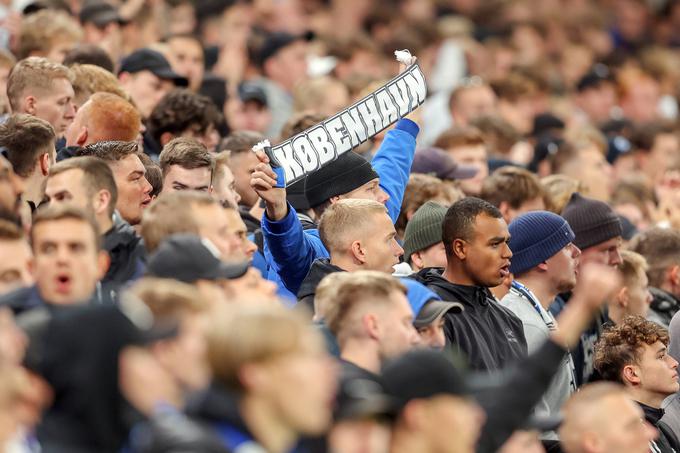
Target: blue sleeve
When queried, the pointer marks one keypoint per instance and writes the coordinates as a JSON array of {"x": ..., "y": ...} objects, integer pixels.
[
  {"x": 393, "y": 162},
  {"x": 290, "y": 250}
]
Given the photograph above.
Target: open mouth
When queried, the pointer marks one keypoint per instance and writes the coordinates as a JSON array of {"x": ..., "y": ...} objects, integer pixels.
[
  {"x": 63, "y": 283},
  {"x": 505, "y": 271}
]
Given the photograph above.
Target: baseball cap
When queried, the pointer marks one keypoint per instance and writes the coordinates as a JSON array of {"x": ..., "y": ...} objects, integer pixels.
[
  {"x": 150, "y": 60},
  {"x": 274, "y": 42},
  {"x": 188, "y": 258},
  {"x": 422, "y": 373},
  {"x": 99, "y": 13},
  {"x": 439, "y": 163},
  {"x": 362, "y": 398},
  {"x": 248, "y": 92},
  {"x": 427, "y": 306},
  {"x": 593, "y": 78}
]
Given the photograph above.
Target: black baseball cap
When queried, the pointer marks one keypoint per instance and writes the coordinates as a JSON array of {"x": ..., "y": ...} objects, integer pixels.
[
  {"x": 188, "y": 258},
  {"x": 150, "y": 60},
  {"x": 598, "y": 74},
  {"x": 422, "y": 373},
  {"x": 439, "y": 163},
  {"x": 362, "y": 398},
  {"x": 251, "y": 92},
  {"x": 99, "y": 13},
  {"x": 274, "y": 42}
]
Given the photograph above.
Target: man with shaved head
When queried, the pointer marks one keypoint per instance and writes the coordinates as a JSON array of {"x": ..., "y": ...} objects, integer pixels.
[{"x": 602, "y": 418}]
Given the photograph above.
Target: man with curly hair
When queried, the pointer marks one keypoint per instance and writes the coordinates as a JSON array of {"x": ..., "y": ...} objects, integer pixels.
[
  {"x": 183, "y": 113},
  {"x": 634, "y": 353}
]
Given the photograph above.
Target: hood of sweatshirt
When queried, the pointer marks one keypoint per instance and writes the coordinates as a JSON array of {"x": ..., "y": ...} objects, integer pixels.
[
  {"x": 467, "y": 295},
  {"x": 320, "y": 268}
]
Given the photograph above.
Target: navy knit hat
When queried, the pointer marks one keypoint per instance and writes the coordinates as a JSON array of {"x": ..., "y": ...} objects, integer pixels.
[
  {"x": 593, "y": 221},
  {"x": 535, "y": 237},
  {"x": 345, "y": 174}
]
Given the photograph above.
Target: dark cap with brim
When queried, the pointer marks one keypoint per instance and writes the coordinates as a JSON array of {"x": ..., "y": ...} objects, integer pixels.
[
  {"x": 435, "y": 309},
  {"x": 439, "y": 163},
  {"x": 155, "y": 62},
  {"x": 362, "y": 399},
  {"x": 188, "y": 258},
  {"x": 274, "y": 42},
  {"x": 421, "y": 374},
  {"x": 100, "y": 14},
  {"x": 250, "y": 92}
]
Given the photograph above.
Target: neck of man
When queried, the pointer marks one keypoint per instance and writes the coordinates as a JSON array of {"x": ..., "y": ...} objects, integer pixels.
[
  {"x": 33, "y": 184},
  {"x": 104, "y": 222},
  {"x": 542, "y": 289},
  {"x": 615, "y": 312},
  {"x": 362, "y": 354},
  {"x": 345, "y": 262},
  {"x": 268, "y": 429},
  {"x": 406, "y": 441},
  {"x": 651, "y": 399},
  {"x": 456, "y": 274}
]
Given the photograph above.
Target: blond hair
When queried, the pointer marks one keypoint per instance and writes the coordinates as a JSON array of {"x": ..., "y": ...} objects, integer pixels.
[
  {"x": 235, "y": 339},
  {"x": 35, "y": 74},
  {"x": 340, "y": 221},
  {"x": 326, "y": 293},
  {"x": 559, "y": 189},
  {"x": 633, "y": 266},
  {"x": 41, "y": 30},
  {"x": 168, "y": 298},
  {"x": 353, "y": 292},
  {"x": 171, "y": 213},
  {"x": 89, "y": 79}
]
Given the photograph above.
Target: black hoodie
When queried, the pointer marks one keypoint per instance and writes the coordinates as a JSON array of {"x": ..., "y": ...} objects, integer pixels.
[
  {"x": 127, "y": 253},
  {"x": 667, "y": 442},
  {"x": 320, "y": 268},
  {"x": 490, "y": 335}
]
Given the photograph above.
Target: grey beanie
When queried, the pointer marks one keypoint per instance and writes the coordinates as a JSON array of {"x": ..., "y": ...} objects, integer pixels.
[{"x": 424, "y": 229}]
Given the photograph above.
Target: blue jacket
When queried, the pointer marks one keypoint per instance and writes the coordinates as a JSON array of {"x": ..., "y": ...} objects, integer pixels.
[{"x": 290, "y": 251}]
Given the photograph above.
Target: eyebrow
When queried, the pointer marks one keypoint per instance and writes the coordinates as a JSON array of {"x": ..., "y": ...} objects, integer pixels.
[
  {"x": 660, "y": 350},
  {"x": 499, "y": 239},
  {"x": 138, "y": 173}
]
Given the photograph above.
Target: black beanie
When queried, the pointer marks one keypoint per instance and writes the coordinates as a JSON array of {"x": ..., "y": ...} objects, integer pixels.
[
  {"x": 593, "y": 221},
  {"x": 345, "y": 174}
]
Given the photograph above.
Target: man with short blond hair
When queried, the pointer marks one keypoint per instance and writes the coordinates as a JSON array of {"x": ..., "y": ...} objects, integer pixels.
[
  {"x": 359, "y": 235},
  {"x": 42, "y": 88},
  {"x": 187, "y": 165},
  {"x": 466, "y": 145},
  {"x": 601, "y": 418},
  {"x": 371, "y": 319},
  {"x": 104, "y": 117}
]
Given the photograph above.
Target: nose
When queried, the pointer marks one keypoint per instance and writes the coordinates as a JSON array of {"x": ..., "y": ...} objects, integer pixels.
[
  {"x": 147, "y": 187},
  {"x": 398, "y": 250},
  {"x": 507, "y": 253},
  {"x": 251, "y": 248},
  {"x": 615, "y": 258},
  {"x": 382, "y": 196},
  {"x": 71, "y": 111}
]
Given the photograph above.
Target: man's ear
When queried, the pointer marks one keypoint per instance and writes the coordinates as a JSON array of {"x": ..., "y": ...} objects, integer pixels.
[
  {"x": 45, "y": 161},
  {"x": 371, "y": 325},
  {"x": 674, "y": 275},
  {"x": 630, "y": 374},
  {"x": 543, "y": 266},
  {"x": 29, "y": 105},
  {"x": 416, "y": 259},
  {"x": 101, "y": 202},
  {"x": 82, "y": 136},
  {"x": 334, "y": 199},
  {"x": 358, "y": 252},
  {"x": 506, "y": 211},
  {"x": 165, "y": 138},
  {"x": 623, "y": 297},
  {"x": 459, "y": 248}
]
